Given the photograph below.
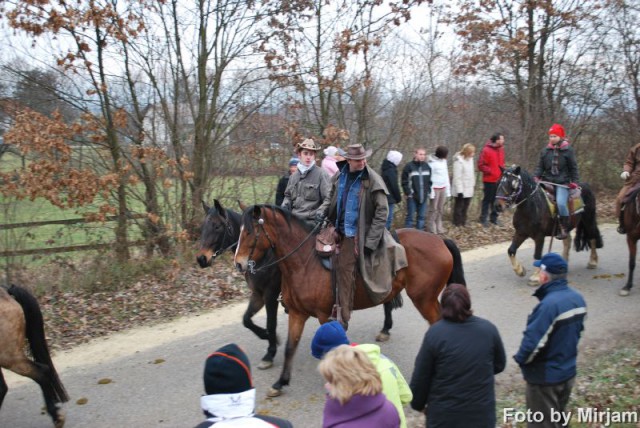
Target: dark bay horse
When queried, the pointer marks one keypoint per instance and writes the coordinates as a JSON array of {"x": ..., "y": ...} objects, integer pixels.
[
  {"x": 533, "y": 219},
  {"x": 631, "y": 220},
  {"x": 220, "y": 232},
  {"x": 21, "y": 322},
  {"x": 433, "y": 263}
]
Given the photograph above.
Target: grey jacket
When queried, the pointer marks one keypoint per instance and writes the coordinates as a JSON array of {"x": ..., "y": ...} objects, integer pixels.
[{"x": 305, "y": 193}]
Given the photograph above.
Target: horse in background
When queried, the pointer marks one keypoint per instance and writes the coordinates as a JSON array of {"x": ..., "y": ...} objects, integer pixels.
[
  {"x": 433, "y": 263},
  {"x": 220, "y": 232},
  {"x": 631, "y": 224},
  {"x": 533, "y": 219},
  {"x": 21, "y": 322}
]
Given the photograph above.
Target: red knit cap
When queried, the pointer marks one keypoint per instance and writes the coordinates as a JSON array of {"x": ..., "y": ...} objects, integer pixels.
[{"x": 557, "y": 129}]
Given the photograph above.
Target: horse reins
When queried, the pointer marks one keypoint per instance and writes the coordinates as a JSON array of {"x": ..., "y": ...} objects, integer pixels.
[
  {"x": 514, "y": 195},
  {"x": 228, "y": 231},
  {"x": 251, "y": 264}
]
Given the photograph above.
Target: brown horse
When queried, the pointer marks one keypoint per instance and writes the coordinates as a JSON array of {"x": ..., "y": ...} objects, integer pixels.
[
  {"x": 433, "y": 263},
  {"x": 21, "y": 321},
  {"x": 631, "y": 220}
]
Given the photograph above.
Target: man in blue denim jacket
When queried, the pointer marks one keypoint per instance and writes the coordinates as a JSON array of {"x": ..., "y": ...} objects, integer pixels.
[{"x": 547, "y": 354}]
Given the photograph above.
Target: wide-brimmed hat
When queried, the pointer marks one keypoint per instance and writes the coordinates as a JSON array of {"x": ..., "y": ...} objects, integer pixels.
[
  {"x": 309, "y": 144},
  {"x": 357, "y": 152}
]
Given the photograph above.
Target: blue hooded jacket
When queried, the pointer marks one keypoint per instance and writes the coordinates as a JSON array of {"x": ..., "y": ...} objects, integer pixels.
[{"x": 547, "y": 354}]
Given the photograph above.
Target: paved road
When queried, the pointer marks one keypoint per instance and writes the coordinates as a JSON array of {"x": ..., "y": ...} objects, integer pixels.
[{"x": 155, "y": 372}]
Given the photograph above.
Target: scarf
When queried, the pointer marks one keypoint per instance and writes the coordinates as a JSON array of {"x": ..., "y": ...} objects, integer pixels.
[
  {"x": 303, "y": 168},
  {"x": 556, "y": 153}
]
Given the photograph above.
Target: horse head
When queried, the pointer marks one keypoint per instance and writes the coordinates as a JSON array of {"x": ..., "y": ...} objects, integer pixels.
[
  {"x": 217, "y": 233},
  {"x": 255, "y": 237},
  {"x": 510, "y": 187}
]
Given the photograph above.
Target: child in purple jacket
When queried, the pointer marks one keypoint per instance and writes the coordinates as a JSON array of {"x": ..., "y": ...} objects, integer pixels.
[{"x": 354, "y": 398}]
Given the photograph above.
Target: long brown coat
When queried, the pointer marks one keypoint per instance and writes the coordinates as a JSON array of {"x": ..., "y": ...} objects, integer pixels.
[{"x": 388, "y": 256}]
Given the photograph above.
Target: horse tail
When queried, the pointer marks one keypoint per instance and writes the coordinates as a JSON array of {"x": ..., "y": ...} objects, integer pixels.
[
  {"x": 457, "y": 275},
  {"x": 587, "y": 228},
  {"x": 396, "y": 302},
  {"x": 37, "y": 341}
]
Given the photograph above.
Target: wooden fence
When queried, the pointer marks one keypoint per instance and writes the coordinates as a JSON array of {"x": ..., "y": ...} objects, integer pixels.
[{"x": 67, "y": 248}]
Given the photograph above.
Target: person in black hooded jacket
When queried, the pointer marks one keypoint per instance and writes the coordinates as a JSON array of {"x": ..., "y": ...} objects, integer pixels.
[{"x": 389, "y": 173}]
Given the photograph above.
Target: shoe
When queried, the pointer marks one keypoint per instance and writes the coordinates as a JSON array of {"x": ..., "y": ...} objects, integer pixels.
[
  {"x": 484, "y": 223},
  {"x": 621, "y": 230},
  {"x": 496, "y": 222}
]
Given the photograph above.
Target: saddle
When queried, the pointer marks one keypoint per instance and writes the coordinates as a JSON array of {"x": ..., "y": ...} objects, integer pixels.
[
  {"x": 631, "y": 193},
  {"x": 575, "y": 204}
]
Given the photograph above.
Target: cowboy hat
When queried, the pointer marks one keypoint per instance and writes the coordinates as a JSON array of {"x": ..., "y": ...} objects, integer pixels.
[
  {"x": 309, "y": 144},
  {"x": 357, "y": 152}
]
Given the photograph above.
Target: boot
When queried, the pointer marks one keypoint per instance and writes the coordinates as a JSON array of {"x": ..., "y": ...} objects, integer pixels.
[
  {"x": 563, "y": 228},
  {"x": 621, "y": 223}
]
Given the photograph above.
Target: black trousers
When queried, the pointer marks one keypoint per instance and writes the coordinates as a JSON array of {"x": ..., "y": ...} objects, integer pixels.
[
  {"x": 460, "y": 208},
  {"x": 487, "y": 203}
]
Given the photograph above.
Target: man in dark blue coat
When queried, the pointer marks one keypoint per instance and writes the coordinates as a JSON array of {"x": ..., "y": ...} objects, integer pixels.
[{"x": 547, "y": 354}]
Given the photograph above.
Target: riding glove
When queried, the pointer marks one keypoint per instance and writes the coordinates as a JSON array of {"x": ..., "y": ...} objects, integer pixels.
[
  {"x": 625, "y": 175},
  {"x": 573, "y": 186}
]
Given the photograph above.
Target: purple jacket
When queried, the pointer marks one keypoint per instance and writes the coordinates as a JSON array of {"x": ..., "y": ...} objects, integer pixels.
[{"x": 360, "y": 412}]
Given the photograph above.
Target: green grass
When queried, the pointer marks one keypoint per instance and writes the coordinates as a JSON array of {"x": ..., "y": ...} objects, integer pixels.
[{"x": 609, "y": 383}]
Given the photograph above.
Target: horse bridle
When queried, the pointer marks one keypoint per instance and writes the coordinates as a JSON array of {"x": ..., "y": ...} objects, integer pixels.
[
  {"x": 512, "y": 197},
  {"x": 259, "y": 226},
  {"x": 228, "y": 231}
]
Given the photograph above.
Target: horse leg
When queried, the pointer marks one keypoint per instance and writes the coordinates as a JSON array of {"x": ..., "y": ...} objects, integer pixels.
[
  {"x": 593, "y": 257},
  {"x": 271, "y": 306},
  {"x": 513, "y": 249},
  {"x": 384, "y": 334},
  {"x": 296, "y": 326},
  {"x": 41, "y": 374},
  {"x": 632, "y": 244},
  {"x": 566, "y": 246},
  {"x": 256, "y": 302},
  {"x": 534, "y": 279}
]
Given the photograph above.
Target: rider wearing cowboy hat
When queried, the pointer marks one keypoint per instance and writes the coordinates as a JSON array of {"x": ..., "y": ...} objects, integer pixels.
[{"x": 310, "y": 186}]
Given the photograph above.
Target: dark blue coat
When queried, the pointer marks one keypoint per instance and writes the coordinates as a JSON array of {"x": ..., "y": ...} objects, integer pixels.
[{"x": 547, "y": 354}]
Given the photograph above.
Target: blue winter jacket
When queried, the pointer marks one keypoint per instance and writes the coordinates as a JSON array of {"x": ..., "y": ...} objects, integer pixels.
[{"x": 549, "y": 348}]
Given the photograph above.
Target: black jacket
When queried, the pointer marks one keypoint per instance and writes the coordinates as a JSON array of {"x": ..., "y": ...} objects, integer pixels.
[
  {"x": 416, "y": 181},
  {"x": 389, "y": 173},
  {"x": 282, "y": 186},
  {"x": 567, "y": 165}
]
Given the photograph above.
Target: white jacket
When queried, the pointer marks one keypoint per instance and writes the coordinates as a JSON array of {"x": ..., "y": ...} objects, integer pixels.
[
  {"x": 464, "y": 176},
  {"x": 439, "y": 175}
]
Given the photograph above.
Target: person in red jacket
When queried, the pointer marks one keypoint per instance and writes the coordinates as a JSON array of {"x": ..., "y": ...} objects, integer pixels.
[{"x": 490, "y": 161}]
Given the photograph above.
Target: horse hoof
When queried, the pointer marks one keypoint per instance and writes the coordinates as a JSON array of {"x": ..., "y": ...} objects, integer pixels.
[
  {"x": 592, "y": 265},
  {"x": 265, "y": 365},
  {"x": 533, "y": 283},
  {"x": 624, "y": 292},
  {"x": 59, "y": 423},
  {"x": 383, "y": 337},
  {"x": 273, "y": 393},
  {"x": 521, "y": 272}
]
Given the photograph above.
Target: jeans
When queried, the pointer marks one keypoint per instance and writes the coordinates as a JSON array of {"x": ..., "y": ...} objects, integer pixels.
[
  {"x": 562, "y": 199},
  {"x": 390, "y": 216},
  {"x": 414, "y": 208}
]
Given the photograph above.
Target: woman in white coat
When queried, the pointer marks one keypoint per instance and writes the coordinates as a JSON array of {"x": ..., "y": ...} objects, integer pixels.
[{"x": 464, "y": 183}]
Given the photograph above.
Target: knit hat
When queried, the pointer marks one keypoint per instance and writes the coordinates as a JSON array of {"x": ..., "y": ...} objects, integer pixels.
[
  {"x": 327, "y": 337},
  {"x": 294, "y": 161},
  {"x": 330, "y": 151},
  {"x": 227, "y": 371},
  {"x": 552, "y": 263},
  {"x": 394, "y": 157},
  {"x": 557, "y": 129}
]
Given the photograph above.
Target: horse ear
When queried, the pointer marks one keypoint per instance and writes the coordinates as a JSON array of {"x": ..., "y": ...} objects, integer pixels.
[
  {"x": 517, "y": 170},
  {"x": 205, "y": 206},
  {"x": 257, "y": 212},
  {"x": 221, "y": 211},
  {"x": 242, "y": 205}
]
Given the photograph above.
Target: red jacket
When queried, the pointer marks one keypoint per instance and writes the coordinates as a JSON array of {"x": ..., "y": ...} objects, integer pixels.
[{"x": 489, "y": 162}]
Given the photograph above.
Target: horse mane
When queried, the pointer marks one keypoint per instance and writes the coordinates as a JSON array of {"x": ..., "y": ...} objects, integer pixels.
[{"x": 247, "y": 217}]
